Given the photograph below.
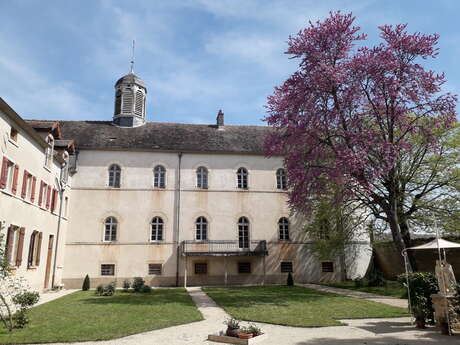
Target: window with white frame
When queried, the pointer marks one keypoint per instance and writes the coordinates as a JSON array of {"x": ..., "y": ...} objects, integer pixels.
[
  {"x": 114, "y": 176},
  {"x": 156, "y": 229},
  {"x": 202, "y": 178},
  {"x": 49, "y": 150},
  {"x": 281, "y": 179},
  {"x": 283, "y": 229},
  {"x": 243, "y": 232},
  {"x": 242, "y": 178},
  {"x": 201, "y": 226},
  {"x": 110, "y": 229},
  {"x": 159, "y": 177}
]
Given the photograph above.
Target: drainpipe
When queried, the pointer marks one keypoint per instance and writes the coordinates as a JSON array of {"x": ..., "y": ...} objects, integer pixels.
[
  {"x": 177, "y": 206},
  {"x": 61, "y": 196}
]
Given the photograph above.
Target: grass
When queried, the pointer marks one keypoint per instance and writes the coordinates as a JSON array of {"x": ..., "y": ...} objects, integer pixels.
[
  {"x": 83, "y": 316},
  {"x": 392, "y": 288},
  {"x": 296, "y": 306}
]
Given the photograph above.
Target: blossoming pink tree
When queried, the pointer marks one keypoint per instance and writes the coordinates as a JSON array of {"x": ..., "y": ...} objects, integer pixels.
[{"x": 362, "y": 118}]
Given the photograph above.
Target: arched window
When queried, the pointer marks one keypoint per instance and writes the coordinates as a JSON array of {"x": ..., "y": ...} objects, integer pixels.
[
  {"x": 139, "y": 103},
  {"x": 283, "y": 228},
  {"x": 243, "y": 232},
  {"x": 128, "y": 101},
  {"x": 110, "y": 229},
  {"x": 202, "y": 177},
  {"x": 159, "y": 177},
  {"x": 118, "y": 102},
  {"x": 242, "y": 177},
  {"x": 281, "y": 180},
  {"x": 157, "y": 229},
  {"x": 49, "y": 150},
  {"x": 201, "y": 226},
  {"x": 114, "y": 176}
]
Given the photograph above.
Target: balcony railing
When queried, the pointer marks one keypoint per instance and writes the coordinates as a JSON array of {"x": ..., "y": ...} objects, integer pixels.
[{"x": 224, "y": 248}]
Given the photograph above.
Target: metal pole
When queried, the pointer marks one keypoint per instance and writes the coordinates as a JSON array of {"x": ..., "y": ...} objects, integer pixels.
[
  {"x": 185, "y": 273},
  {"x": 226, "y": 273},
  {"x": 61, "y": 195},
  {"x": 404, "y": 254}
]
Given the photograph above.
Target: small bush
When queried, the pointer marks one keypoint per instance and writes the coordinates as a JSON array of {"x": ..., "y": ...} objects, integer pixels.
[
  {"x": 106, "y": 290},
  {"x": 20, "y": 319},
  {"x": 232, "y": 323},
  {"x": 146, "y": 289},
  {"x": 290, "y": 280},
  {"x": 26, "y": 299},
  {"x": 138, "y": 283},
  {"x": 126, "y": 284},
  {"x": 254, "y": 330},
  {"x": 86, "y": 284}
]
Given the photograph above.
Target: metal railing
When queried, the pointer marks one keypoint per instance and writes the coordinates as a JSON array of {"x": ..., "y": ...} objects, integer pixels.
[{"x": 224, "y": 247}]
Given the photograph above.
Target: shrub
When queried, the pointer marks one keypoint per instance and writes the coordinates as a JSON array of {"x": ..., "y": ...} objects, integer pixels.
[
  {"x": 290, "y": 280},
  {"x": 24, "y": 300},
  {"x": 146, "y": 289},
  {"x": 254, "y": 330},
  {"x": 138, "y": 283},
  {"x": 126, "y": 284},
  {"x": 421, "y": 285},
  {"x": 106, "y": 290},
  {"x": 86, "y": 285},
  {"x": 232, "y": 323}
]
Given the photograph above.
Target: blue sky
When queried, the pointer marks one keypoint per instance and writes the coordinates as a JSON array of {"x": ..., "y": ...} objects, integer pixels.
[{"x": 60, "y": 59}]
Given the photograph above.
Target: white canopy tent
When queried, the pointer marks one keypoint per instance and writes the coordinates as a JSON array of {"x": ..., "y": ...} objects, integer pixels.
[{"x": 437, "y": 244}]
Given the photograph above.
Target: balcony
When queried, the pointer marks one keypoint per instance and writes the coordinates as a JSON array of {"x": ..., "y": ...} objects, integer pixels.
[{"x": 223, "y": 248}]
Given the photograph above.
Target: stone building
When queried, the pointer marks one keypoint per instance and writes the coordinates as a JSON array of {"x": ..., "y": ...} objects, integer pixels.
[{"x": 181, "y": 203}]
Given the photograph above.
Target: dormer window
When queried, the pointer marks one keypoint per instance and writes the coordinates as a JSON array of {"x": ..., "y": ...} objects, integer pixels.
[
  {"x": 49, "y": 151},
  {"x": 14, "y": 134}
]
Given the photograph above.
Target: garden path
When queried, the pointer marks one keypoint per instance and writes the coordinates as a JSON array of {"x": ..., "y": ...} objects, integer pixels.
[
  {"x": 49, "y": 296},
  {"x": 390, "y": 300},
  {"x": 393, "y": 331}
]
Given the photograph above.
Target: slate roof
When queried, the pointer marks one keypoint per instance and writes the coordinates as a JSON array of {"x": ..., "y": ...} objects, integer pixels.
[
  {"x": 160, "y": 136},
  {"x": 130, "y": 78}
]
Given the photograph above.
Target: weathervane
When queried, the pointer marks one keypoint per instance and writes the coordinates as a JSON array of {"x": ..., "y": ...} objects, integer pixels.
[{"x": 132, "y": 58}]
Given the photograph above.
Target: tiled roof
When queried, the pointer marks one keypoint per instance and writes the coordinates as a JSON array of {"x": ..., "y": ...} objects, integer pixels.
[{"x": 163, "y": 136}]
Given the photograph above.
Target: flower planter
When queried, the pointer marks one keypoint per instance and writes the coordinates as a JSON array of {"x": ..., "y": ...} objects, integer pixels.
[
  {"x": 222, "y": 338},
  {"x": 232, "y": 332},
  {"x": 245, "y": 335}
]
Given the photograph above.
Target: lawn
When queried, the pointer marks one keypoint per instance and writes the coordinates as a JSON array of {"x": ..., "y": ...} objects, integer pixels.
[
  {"x": 84, "y": 316},
  {"x": 296, "y": 306},
  {"x": 392, "y": 288}
]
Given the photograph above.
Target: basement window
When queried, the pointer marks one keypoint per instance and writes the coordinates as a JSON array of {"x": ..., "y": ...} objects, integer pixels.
[
  {"x": 244, "y": 267},
  {"x": 201, "y": 268},
  {"x": 327, "y": 266},
  {"x": 155, "y": 269},
  {"x": 286, "y": 267},
  {"x": 107, "y": 270}
]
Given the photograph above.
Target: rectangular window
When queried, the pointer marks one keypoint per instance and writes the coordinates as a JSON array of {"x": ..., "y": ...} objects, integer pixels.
[
  {"x": 244, "y": 267},
  {"x": 14, "y": 134},
  {"x": 10, "y": 177},
  {"x": 155, "y": 269},
  {"x": 35, "y": 246},
  {"x": 286, "y": 266},
  {"x": 201, "y": 268},
  {"x": 327, "y": 266},
  {"x": 44, "y": 191},
  {"x": 107, "y": 270}
]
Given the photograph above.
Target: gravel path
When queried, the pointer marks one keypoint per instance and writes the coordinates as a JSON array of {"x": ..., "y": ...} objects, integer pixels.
[{"x": 392, "y": 331}]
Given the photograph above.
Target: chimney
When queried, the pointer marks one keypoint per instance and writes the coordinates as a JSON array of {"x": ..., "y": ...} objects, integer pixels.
[{"x": 220, "y": 118}]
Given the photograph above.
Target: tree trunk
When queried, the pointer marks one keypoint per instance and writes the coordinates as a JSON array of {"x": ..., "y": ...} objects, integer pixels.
[
  {"x": 405, "y": 234},
  {"x": 398, "y": 238}
]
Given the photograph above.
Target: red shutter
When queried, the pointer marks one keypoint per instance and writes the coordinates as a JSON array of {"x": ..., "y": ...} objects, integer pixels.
[
  {"x": 20, "y": 246},
  {"x": 24, "y": 184},
  {"x": 55, "y": 199},
  {"x": 40, "y": 196},
  {"x": 32, "y": 193},
  {"x": 9, "y": 243},
  {"x": 14, "y": 187},
  {"x": 48, "y": 197},
  {"x": 4, "y": 173},
  {"x": 39, "y": 249}
]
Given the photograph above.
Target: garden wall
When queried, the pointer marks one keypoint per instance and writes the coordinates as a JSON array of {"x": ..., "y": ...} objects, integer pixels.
[{"x": 392, "y": 264}]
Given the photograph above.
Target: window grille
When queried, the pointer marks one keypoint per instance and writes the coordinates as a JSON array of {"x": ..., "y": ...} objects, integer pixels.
[
  {"x": 155, "y": 269},
  {"x": 286, "y": 267},
  {"x": 107, "y": 270},
  {"x": 201, "y": 268},
  {"x": 327, "y": 266},
  {"x": 244, "y": 267}
]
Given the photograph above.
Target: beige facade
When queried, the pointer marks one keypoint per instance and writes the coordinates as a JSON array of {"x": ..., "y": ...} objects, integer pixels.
[{"x": 30, "y": 201}]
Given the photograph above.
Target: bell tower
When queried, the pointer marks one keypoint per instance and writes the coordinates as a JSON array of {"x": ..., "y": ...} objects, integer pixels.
[{"x": 130, "y": 98}]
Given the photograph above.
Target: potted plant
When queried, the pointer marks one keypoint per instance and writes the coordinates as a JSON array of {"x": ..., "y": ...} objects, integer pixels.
[
  {"x": 233, "y": 327},
  {"x": 245, "y": 333},
  {"x": 419, "y": 311},
  {"x": 254, "y": 330}
]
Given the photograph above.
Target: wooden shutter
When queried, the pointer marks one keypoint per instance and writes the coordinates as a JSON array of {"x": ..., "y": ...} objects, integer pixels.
[
  {"x": 40, "y": 196},
  {"x": 14, "y": 187},
  {"x": 32, "y": 193},
  {"x": 9, "y": 243},
  {"x": 4, "y": 173},
  {"x": 39, "y": 249},
  {"x": 24, "y": 184},
  {"x": 48, "y": 197},
  {"x": 22, "y": 232},
  {"x": 54, "y": 200}
]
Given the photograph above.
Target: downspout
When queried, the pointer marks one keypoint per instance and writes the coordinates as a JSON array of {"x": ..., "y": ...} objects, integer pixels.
[
  {"x": 61, "y": 196},
  {"x": 177, "y": 239}
]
